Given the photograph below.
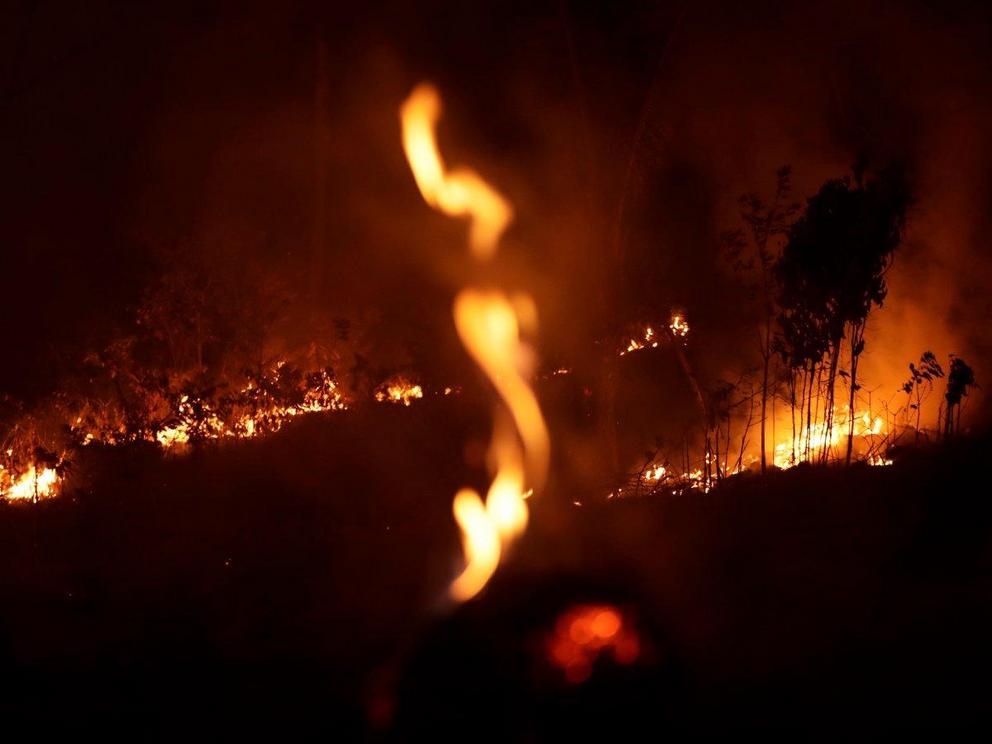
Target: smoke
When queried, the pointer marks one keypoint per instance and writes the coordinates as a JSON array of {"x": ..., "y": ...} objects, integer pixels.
[{"x": 819, "y": 86}]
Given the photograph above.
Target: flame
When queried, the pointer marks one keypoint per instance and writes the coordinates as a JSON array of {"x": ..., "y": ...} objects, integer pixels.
[
  {"x": 679, "y": 327},
  {"x": 399, "y": 390},
  {"x": 488, "y": 324},
  {"x": 480, "y": 541},
  {"x": 32, "y": 483},
  {"x": 655, "y": 473},
  {"x": 488, "y": 327},
  {"x": 457, "y": 193},
  {"x": 866, "y": 427},
  {"x": 648, "y": 340},
  {"x": 196, "y": 419}
]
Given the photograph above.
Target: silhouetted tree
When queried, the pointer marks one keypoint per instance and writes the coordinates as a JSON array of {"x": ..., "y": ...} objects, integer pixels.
[
  {"x": 960, "y": 379},
  {"x": 752, "y": 252},
  {"x": 802, "y": 343},
  {"x": 833, "y": 271},
  {"x": 920, "y": 383}
]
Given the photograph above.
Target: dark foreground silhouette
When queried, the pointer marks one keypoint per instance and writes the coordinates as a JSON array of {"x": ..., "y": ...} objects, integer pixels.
[{"x": 295, "y": 588}]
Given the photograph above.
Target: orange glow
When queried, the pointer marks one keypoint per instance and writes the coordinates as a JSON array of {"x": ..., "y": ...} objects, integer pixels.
[
  {"x": 488, "y": 324},
  {"x": 584, "y": 633}
]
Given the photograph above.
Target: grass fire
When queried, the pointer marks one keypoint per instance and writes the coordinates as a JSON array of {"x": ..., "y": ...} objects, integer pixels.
[{"x": 533, "y": 372}]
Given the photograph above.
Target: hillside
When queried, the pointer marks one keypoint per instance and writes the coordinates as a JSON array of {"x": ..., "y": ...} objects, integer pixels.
[{"x": 297, "y": 584}]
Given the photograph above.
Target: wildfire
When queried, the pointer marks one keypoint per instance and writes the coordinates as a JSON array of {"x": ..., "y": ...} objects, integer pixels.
[
  {"x": 678, "y": 327},
  {"x": 31, "y": 485},
  {"x": 821, "y": 437},
  {"x": 252, "y": 411},
  {"x": 655, "y": 473},
  {"x": 195, "y": 419},
  {"x": 249, "y": 412},
  {"x": 646, "y": 340},
  {"x": 488, "y": 324},
  {"x": 400, "y": 390}
]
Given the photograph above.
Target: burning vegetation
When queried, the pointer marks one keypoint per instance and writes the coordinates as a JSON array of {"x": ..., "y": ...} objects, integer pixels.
[
  {"x": 399, "y": 390},
  {"x": 205, "y": 360},
  {"x": 814, "y": 273}
]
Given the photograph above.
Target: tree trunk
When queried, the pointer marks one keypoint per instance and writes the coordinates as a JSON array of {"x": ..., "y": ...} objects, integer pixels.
[
  {"x": 764, "y": 403},
  {"x": 828, "y": 408},
  {"x": 792, "y": 413},
  {"x": 856, "y": 334}
]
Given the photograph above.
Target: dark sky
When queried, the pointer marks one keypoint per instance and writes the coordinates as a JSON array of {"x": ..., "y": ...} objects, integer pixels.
[{"x": 128, "y": 130}]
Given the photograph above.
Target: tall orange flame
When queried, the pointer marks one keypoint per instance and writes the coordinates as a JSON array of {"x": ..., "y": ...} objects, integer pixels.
[
  {"x": 458, "y": 193},
  {"x": 488, "y": 324}
]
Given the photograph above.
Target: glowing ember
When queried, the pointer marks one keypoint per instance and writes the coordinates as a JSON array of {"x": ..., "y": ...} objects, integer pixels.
[
  {"x": 488, "y": 324},
  {"x": 585, "y": 633},
  {"x": 646, "y": 340},
  {"x": 679, "y": 327}
]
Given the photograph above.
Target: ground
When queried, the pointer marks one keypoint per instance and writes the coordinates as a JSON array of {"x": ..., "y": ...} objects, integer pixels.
[{"x": 295, "y": 586}]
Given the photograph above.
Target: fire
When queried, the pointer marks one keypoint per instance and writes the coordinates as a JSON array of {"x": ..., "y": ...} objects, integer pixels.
[
  {"x": 647, "y": 340},
  {"x": 488, "y": 327},
  {"x": 399, "y": 390},
  {"x": 458, "y": 193},
  {"x": 655, "y": 473},
  {"x": 866, "y": 427},
  {"x": 488, "y": 324},
  {"x": 252, "y": 411},
  {"x": 31, "y": 485},
  {"x": 196, "y": 419}
]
